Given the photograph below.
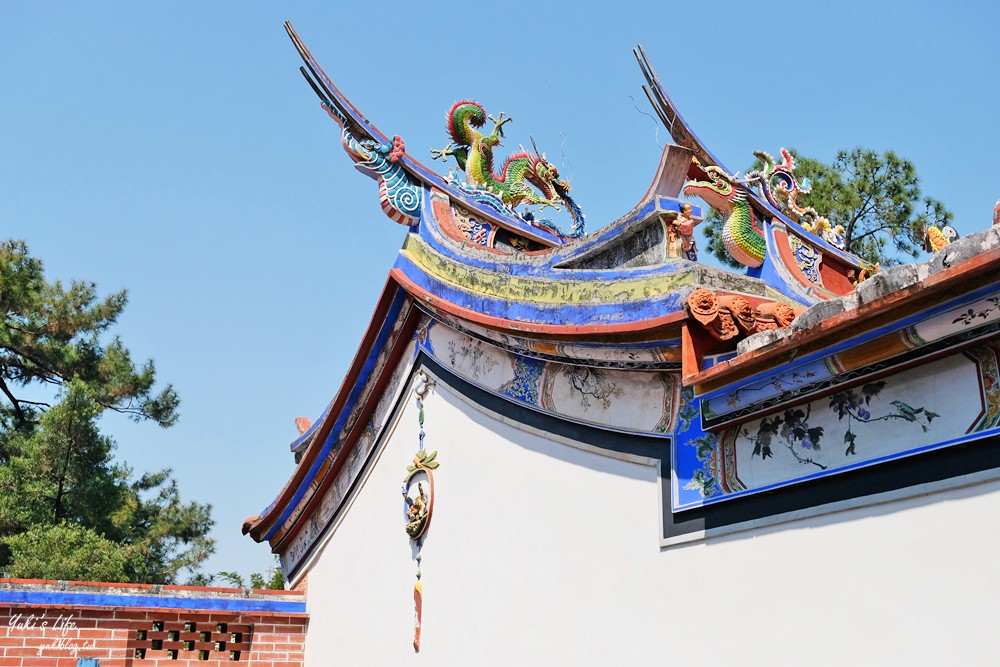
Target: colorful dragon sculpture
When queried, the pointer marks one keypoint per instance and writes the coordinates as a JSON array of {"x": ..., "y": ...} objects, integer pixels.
[
  {"x": 741, "y": 235},
  {"x": 398, "y": 195},
  {"x": 777, "y": 183},
  {"x": 473, "y": 151}
]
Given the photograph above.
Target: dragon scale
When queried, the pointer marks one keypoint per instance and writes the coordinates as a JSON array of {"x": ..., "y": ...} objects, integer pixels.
[{"x": 741, "y": 236}]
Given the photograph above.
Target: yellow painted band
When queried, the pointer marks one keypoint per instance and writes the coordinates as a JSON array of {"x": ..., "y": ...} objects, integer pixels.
[{"x": 542, "y": 290}]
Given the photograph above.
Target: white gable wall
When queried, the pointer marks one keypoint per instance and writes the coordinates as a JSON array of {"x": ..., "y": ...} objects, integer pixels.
[{"x": 542, "y": 553}]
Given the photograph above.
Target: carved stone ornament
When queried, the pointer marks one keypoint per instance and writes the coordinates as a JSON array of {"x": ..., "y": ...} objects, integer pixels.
[{"x": 728, "y": 316}]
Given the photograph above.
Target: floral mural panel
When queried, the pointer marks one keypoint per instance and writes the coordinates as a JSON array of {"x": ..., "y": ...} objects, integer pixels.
[
  {"x": 936, "y": 405},
  {"x": 632, "y": 401},
  {"x": 643, "y": 402},
  {"x": 753, "y": 392},
  {"x": 965, "y": 318},
  {"x": 479, "y": 362}
]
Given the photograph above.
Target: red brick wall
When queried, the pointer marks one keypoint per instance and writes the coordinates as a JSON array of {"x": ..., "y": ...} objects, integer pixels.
[{"x": 33, "y": 635}]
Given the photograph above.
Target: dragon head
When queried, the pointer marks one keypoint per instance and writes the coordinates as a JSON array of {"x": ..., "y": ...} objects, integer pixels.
[
  {"x": 717, "y": 193},
  {"x": 364, "y": 151},
  {"x": 545, "y": 176}
]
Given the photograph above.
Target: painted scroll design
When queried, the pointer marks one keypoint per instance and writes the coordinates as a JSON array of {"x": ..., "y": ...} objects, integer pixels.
[
  {"x": 944, "y": 403},
  {"x": 792, "y": 430},
  {"x": 980, "y": 318},
  {"x": 527, "y": 374},
  {"x": 688, "y": 409},
  {"x": 421, "y": 335},
  {"x": 702, "y": 479},
  {"x": 705, "y": 477},
  {"x": 418, "y": 501},
  {"x": 806, "y": 257},
  {"x": 473, "y": 229},
  {"x": 593, "y": 386},
  {"x": 779, "y": 384},
  {"x": 983, "y": 312},
  {"x": 473, "y": 353},
  {"x": 670, "y": 397},
  {"x": 639, "y": 402},
  {"x": 662, "y": 357},
  {"x": 985, "y": 358}
]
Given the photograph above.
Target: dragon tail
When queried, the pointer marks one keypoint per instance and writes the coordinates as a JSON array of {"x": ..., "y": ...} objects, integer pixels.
[
  {"x": 460, "y": 117},
  {"x": 574, "y": 210}
]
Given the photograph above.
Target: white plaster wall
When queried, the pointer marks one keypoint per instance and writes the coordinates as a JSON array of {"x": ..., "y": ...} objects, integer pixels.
[{"x": 540, "y": 553}]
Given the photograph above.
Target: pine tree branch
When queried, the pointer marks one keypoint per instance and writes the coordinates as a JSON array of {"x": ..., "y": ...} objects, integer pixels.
[
  {"x": 18, "y": 412},
  {"x": 27, "y": 332},
  {"x": 42, "y": 366},
  {"x": 42, "y": 403},
  {"x": 873, "y": 231}
]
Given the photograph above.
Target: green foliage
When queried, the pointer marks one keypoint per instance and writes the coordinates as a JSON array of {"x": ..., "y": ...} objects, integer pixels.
[
  {"x": 51, "y": 335},
  {"x": 61, "y": 492},
  {"x": 877, "y": 198},
  {"x": 424, "y": 460},
  {"x": 171, "y": 536},
  {"x": 234, "y": 579},
  {"x": 68, "y": 551},
  {"x": 57, "y": 471},
  {"x": 273, "y": 579}
]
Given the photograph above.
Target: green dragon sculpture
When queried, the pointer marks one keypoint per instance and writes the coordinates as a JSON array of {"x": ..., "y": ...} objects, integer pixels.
[
  {"x": 473, "y": 152},
  {"x": 741, "y": 235}
]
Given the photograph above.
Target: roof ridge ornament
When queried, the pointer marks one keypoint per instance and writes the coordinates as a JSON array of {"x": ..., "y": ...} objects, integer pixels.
[
  {"x": 375, "y": 155},
  {"x": 521, "y": 171}
]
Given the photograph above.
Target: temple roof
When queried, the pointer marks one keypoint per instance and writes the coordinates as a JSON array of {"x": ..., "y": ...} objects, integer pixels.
[{"x": 631, "y": 294}]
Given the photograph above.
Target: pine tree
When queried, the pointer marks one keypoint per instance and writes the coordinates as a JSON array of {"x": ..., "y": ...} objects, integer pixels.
[{"x": 62, "y": 495}]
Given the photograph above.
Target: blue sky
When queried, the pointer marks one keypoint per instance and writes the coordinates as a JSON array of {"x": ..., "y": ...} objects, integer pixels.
[{"x": 173, "y": 149}]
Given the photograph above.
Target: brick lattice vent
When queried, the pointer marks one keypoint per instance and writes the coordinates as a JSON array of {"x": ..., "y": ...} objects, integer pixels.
[{"x": 155, "y": 641}]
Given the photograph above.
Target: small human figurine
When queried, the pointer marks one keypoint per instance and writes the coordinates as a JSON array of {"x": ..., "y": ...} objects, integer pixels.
[
  {"x": 416, "y": 505},
  {"x": 680, "y": 233},
  {"x": 673, "y": 238},
  {"x": 416, "y": 511},
  {"x": 996, "y": 213},
  {"x": 685, "y": 229}
]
